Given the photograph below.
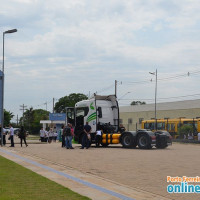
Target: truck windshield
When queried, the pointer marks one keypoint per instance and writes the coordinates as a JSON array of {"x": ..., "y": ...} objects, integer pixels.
[{"x": 82, "y": 112}]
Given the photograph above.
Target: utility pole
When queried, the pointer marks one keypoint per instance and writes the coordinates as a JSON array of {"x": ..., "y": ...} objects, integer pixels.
[
  {"x": 46, "y": 105},
  {"x": 23, "y": 107},
  {"x": 155, "y": 74},
  {"x": 17, "y": 120},
  {"x": 116, "y": 88},
  {"x": 53, "y": 104},
  {"x": 155, "y": 99}
]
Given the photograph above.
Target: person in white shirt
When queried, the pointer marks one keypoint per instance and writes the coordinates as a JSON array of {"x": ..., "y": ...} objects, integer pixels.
[
  {"x": 46, "y": 136},
  {"x": 98, "y": 137},
  {"x": 51, "y": 134},
  {"x": 62, "y": 136},
  {"x": 55, "y": 135},
  {"x": 42, "y": 134},
  {"x": 12, "y": 136},
  {"x": 198, "y": 137},
  {"x": 190, "y": 136}
]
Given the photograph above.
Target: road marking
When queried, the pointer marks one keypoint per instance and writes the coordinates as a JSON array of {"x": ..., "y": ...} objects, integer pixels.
[{"x": 86, "y": 183}]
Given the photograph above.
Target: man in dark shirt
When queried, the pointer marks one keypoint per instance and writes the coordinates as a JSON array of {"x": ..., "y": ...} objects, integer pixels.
[
  {"x": 67, "y": 133},
  {"x": 86, "y": 136}
]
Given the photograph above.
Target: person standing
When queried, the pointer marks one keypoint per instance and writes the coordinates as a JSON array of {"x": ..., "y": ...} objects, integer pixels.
[
  {"x": 42, "y": 134},
  {"x": 198, "y": 137},
  {"x": 67, "y": 133},
  {"x": 11, "y": 132},
  {"x": 86, "y": 136},
  {"x": 72, "y": 136},
  {"x": 4, "y": 136},
  {"x": 98, "y": 137},
  {"x": 55, "y": 135},
  {"x": 46, "y": 136},
  {"x": 22, "y": 135},
  {"x": 62, "y": 136},
  {"x": 51, "y": 134}
]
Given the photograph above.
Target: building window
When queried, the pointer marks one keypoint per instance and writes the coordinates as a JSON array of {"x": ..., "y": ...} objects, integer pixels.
[
  {"x": 140, "y": 120},
  {"x": 130, "y": 121}
]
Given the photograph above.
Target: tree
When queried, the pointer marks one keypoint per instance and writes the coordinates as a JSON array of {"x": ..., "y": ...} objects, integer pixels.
[
  {"x": 28, "y": 117},
  {"x": 7, "y": 117},
  {"x": 185, "y": 130},
  {"x": 38, "y": 115},
  {"x": 133, "y": 103},
  {"x": 69, "y": 101},
  {"x": 32, "y": 119}
]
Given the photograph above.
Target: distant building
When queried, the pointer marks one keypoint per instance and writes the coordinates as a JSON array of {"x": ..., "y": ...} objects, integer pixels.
[
  {"x": 132, "y": 115},
  {"x": 56, "y": 120}
]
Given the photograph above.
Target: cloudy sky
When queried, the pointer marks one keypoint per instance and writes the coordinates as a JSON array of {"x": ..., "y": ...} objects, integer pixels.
[{"x": 83, "y": 46}]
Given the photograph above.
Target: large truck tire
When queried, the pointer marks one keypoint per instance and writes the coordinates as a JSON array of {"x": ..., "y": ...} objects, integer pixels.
[
  {"x": 144, "y": 141},
  {"x": 162, "y": 139},
  {"x": 128, "y": 141},
  {"x": 161, "y": 144}
]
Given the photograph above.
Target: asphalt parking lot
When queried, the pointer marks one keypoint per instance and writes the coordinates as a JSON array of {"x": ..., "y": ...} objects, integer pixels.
[{"x": 134, "y": 168}]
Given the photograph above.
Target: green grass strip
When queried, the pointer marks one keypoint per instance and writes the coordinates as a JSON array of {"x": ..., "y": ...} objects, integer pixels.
[{"x": 19, "y": 183}]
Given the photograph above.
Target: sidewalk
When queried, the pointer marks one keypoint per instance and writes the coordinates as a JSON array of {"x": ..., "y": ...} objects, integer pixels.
[{"x": 86, "y": 184}]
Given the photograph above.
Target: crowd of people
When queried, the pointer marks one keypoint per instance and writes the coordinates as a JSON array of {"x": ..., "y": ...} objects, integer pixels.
[
  {"x": 22, "y": 134},
  {"x": 66, "y": 135},
  {"x": 48, "y": 135}
]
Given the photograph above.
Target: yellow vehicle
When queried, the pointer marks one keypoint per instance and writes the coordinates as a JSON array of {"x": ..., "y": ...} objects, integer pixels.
[{"x": 171, "y": 125}]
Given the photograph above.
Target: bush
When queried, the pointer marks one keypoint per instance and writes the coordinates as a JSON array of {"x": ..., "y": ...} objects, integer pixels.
[{"x": 185, "y": 130}]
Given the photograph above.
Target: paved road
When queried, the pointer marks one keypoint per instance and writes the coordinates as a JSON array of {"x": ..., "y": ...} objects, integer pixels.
[{"x": 142, "y": 171}]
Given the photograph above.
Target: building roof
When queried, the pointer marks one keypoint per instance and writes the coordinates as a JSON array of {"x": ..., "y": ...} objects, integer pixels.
[
  {"x": 51, "y": 122},
  {"x": 177, "y": 105}
]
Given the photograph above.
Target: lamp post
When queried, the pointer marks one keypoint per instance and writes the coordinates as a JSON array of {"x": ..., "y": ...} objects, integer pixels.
[
  {"x": 2, "y": 100},
  {"x": 155, "y": 73}
]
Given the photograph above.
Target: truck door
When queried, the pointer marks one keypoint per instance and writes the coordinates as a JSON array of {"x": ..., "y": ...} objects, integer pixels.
[{"x": 70, "y": 115}]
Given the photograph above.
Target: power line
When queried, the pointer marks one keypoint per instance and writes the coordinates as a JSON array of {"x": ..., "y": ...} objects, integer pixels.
[
  {"x": 190, "y": 95},
  {"x": 164, "y": 78},
  {"x": 106, "y": 88}
]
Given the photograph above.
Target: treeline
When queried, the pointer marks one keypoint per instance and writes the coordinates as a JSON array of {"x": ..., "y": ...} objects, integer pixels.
[{"x": 31, "y": 118}]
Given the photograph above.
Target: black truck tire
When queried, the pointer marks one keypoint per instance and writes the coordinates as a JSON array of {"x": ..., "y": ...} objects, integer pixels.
[
  {"x": 128, "y": 141},
  {"x": 161, "y": 145},
  {"x": 144, "y": 142},
  {"x": 161, "y": 142}
]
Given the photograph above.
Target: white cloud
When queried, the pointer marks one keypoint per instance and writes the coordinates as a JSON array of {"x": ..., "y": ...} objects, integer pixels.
[{"x": 83, "y": 45}]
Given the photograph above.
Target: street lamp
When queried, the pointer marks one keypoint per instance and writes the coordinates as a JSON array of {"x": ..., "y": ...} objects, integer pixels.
[
  {"x": 2, "y": 100},
  {"x": 6, "y": 32},
  {"x": 155, "y": 74}
]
